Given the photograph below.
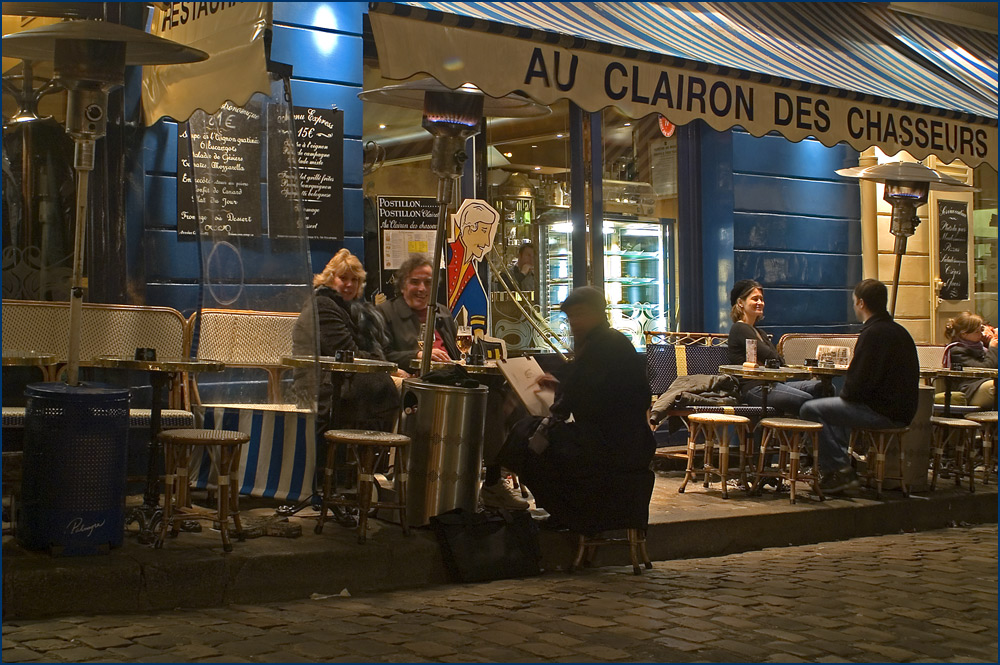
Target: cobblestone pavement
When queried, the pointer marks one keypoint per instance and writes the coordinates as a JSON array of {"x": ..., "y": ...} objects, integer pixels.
[{"x": 918, "y": 597}]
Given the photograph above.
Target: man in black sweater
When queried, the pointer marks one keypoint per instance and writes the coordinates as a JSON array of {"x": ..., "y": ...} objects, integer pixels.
[{"x": 880, "y": 390}]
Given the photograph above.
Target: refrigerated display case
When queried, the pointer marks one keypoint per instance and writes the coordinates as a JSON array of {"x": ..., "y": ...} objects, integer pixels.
[{"x": 637, "y": 271}]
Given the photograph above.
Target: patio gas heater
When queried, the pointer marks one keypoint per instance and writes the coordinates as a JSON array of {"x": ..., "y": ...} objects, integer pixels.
[
  {"x": 75, "y": 443},
  {"x": 451, "y": 117},
  {"x": 906, "y": 187}
]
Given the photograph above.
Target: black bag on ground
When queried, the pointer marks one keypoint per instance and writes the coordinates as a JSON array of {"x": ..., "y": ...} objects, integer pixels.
[{"x": 488, "y": 546}]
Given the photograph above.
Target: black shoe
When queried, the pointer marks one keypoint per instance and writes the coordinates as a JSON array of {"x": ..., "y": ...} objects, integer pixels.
[{"x": 839, "y": 481}]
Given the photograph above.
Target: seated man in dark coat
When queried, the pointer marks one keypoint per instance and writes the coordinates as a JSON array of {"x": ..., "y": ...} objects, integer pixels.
[{"x": 590, "y": 474}]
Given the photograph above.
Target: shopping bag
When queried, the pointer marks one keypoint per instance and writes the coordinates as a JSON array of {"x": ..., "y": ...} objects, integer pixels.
[{"x": 487, "y": 546}]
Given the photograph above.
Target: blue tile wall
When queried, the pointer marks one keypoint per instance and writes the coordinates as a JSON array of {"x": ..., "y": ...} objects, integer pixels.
[
  {"x": 776, "y": 211},
  {"x": 323, "y": 43}
]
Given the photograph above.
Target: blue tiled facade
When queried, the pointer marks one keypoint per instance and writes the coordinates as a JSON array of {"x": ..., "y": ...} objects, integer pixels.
[
  {"x": 323, "y": 43},
  {"x": 776, "y": 211},
  {"x": 771, "y": 209}
]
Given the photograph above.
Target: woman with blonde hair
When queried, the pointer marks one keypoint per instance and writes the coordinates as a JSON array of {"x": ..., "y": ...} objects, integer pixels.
[
  {"x": 972, "y": 344},
  {"x": 345, "y": 321}
]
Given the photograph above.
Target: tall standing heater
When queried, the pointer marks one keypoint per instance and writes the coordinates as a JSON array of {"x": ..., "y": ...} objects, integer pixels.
[
  {"x": 89, "y": 59},
  {"x": 75, "y": 445},
  {"x": 906, "y": 187},
  {"x": 451, "y": 117}
]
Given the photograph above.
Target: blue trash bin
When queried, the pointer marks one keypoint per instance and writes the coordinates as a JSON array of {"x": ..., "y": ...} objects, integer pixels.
[{"x": 74, "y": 471}]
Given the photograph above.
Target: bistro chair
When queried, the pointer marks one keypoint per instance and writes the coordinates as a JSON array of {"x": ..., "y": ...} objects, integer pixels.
[
  {"x": 366, "y": 444},
  {"x": 953, "y": 440},
  {"x": 713, "y": 428},
  {"x": 634, "y": 538},
  {"x": 988, "y": 421},
  {"x": 793, "y": 437},
  {"x": 179, "y": 446},
  {"x": 871, "y": 446}
]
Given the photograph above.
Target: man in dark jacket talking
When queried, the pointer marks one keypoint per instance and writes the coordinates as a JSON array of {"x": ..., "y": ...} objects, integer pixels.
[{"x": 880, "y": 390}]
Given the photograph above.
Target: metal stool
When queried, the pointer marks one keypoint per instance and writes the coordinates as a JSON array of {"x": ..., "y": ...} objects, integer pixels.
[
  {"x": 988, "y": 421},
  {"x": 713, "y": 427},
  {"x": 791, "y": 435},
  {"x": 366, "y": 443},
  {"x": 635, "y": 539},
  {"x": 961, "y": 433},
  {"x": 879, "y": 441},
  {"x": 179, "y": 446}
]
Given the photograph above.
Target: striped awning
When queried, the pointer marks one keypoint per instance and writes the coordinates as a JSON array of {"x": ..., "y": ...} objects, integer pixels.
[{"x": 838, "y": 72}]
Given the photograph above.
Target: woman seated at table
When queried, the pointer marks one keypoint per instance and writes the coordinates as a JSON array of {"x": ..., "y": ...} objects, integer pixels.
[
  {"x": 405, "y": 313},
  {"x": 349, "y": 323},
  {"x": 972, "y": 344},
  {"x": 747, "y": 300}
]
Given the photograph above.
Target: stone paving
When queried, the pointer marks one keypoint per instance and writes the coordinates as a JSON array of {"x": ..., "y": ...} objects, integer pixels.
[{"x": 914, "y": 597}]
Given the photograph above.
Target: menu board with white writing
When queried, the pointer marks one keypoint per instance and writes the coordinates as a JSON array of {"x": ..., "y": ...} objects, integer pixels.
[
  {"x": 218, "y": 172},
  {"x": 953, "y": 249},
  {"x": 319, "y": 148}
]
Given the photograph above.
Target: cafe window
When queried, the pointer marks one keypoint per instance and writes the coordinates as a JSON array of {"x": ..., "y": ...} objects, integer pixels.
[
  {"x": 984, "y": 230},
  {"x": 639, "y": 213}
]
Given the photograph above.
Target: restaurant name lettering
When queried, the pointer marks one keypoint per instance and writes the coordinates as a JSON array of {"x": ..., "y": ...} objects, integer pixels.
[
  {"x": 182, "y": 13},
  {"x": 682, "y": 96}
]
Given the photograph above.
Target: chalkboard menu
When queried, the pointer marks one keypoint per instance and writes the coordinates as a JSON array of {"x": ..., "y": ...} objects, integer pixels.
[
  {"x": 319, "y": 147},
  {"x": 406, "y": 225},
  {"x": 223, "y": 195},
  {"x": 953, "y": 249}
]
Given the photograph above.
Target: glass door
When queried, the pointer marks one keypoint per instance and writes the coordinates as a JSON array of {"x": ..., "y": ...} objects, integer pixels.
[{"x": 636, "y": 275}]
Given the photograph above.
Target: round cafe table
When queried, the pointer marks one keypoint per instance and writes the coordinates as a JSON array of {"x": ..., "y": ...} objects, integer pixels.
[
  {"x": 488, "y": 368},
  {"x": 950, "y": 375},
  {"x": 339, "y": 370},
  {"x": 824, "y": 373},
  {"x": 44, "y": 361},
  {"x": 768, "y": 376},
  {"x": 161, "y": 372}
]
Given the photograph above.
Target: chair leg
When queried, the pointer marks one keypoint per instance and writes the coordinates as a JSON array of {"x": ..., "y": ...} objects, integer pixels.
[
  {"x": 366, "y": 465},
  {"x": 902, "y": 467},
  {"x": 169, "y": 465},
  {"x": 581, "y": 548},
  {"x": 710, "y": 436},
  {"x": 938, "y": 452},
  {"x": 815, "y": 466},
  {"x": 642, "y": 550},
  {"x": 400, "y": 474},
  {"x": 987, "y": 458},
  {"x": 689, "y": 471},
  {"x": 724, "y": 462},
  {"x": 793, "y": 464},
  {"x": 328, "y": 472},
  {"x": 633, "y": 550}
]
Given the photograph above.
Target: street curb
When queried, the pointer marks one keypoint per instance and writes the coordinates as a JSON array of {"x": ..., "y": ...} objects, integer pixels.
[{"x": 196, "y": 572}]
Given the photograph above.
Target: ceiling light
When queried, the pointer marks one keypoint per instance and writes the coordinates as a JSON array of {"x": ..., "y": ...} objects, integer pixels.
[
  {"x": 627, "y": 124},
  {"x": 538, "y": 168},
  {"x": 381, "y": 126},
  {"x": 508, "y": 154}
]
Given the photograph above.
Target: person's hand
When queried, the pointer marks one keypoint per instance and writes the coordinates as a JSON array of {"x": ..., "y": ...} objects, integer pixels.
[
  {"x": 436, "y": 355},
  {"x": 546, "y": 382},
  {"x": 401, "y": 373}
]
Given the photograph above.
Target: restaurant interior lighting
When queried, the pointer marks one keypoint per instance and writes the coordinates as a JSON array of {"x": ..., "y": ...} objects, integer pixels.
[
  {"x": 89, "y": 59},
  {"x": 451, "y": 117},
  {"x": 906, "y": 185}
]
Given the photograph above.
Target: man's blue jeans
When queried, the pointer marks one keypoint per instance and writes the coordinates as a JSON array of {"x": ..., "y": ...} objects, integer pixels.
[{"x": 838, "y": 417}]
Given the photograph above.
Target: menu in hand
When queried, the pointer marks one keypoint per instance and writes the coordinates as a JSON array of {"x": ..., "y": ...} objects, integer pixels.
[{"x": 522, "y": 375}]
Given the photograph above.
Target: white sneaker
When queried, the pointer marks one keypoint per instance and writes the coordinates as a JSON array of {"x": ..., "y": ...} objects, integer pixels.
[{"x": 500, "y": 496}]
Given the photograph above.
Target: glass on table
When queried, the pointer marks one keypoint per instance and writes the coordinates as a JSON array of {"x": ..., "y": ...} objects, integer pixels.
[{"x": 463, "y": 339}]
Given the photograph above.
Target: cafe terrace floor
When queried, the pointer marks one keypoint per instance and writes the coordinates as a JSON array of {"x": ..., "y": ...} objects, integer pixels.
[{"x": 193, "y": 571}]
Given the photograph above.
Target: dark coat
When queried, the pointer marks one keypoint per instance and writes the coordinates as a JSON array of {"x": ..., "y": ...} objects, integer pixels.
[
  {"x": 594, "y": 475},
  {"x": 364, "y": 399},
  {"x": 885, "y": 370},
  {"x": 967, "y": 356},
  {"x": 403, "y": 327}
]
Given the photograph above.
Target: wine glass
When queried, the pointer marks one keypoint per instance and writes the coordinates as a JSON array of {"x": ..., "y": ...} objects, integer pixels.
[{"x": 463, "y": 339}]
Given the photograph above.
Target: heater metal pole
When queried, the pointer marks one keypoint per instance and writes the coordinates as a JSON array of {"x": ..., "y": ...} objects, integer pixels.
[
  {"x": 900, "y": 249},
  {"x": 446, "y": 189},
  {"x": 84, "y": 163}
]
